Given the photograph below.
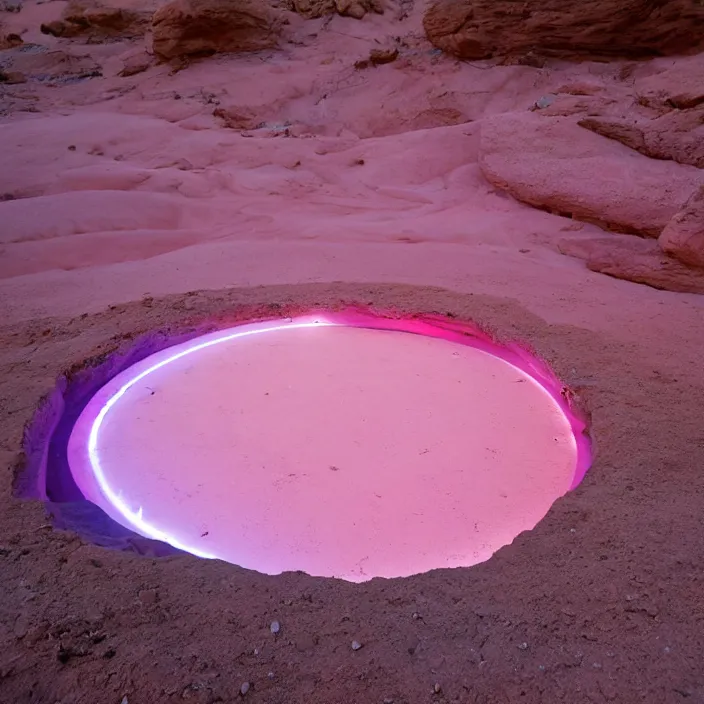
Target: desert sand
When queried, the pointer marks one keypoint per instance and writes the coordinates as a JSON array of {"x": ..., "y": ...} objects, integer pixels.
[{"x": 145, "y": 193}]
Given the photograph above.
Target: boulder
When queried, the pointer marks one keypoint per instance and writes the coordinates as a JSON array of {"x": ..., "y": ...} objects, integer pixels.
[
  {"x": 9, "y": 41},
  {"x": 479, "y": 29},
  {"x": 184, "y": 28},
  {"x": 134, "y": 62},
  {"x": 637, "y": 260},
  {"x": 553, "y": 164},
  {"x": 91, "y": 18},
  {"x": 12, "y": 77},
  {"x": 378, "y": 57},
  {"x": 683, "y": 237},
  {"x": 357, "y": 8},
  {"x": 312, "y": 9}
]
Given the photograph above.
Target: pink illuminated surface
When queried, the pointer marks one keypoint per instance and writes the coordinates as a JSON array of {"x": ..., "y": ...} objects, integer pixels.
[{"x": 334, "y": 449}]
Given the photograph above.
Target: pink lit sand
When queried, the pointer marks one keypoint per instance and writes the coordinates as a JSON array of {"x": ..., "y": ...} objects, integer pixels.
[{"x": 339, "y": 451}]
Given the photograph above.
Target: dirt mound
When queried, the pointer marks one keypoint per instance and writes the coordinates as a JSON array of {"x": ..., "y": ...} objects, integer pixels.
[{"x": 478, "y": 29}]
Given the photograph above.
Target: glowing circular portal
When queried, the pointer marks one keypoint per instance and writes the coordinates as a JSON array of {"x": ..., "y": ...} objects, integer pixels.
[{"x": 332, "y": 449}]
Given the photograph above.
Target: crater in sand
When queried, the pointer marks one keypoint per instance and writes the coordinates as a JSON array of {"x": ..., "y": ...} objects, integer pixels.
[{"x": 341, "y": 447}]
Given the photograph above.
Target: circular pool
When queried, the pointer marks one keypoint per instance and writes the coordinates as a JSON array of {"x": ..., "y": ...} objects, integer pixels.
[{"x": 343, "y": 446}]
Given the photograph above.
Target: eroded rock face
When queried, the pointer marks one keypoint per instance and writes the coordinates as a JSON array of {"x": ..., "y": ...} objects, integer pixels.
[
  {"x": 553, "y": 164},
  {"x": 637, "y": 260},
  {"x": 198, "y": 27},
  {"x": 679, "y": 86},
  {"x": 683, "y": 238},
  {"x": 134, "y": 62},
  {"x": 478, "y": 29},
  {"x": 677, "y": 135},
  {"x": 312, "y": 9},
  {"x": 53, "y": 67},
  {"x": 87, "y": 17}
]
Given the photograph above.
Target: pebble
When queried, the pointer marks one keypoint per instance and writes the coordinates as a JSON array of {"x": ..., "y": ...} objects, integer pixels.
[
  {"x": 523, "y": 646},
  {"x": 275, "y": 627},
  {"x": 384, "y": 55},
  {"x": 437, "y": 688},
  {"x": 244, "y": 688},
  {"x": 124, "y": 700},
  {"x": 356, "y": 645},
  {"x": 271, "y": 675},
  {"x": 21, "y": 627}
]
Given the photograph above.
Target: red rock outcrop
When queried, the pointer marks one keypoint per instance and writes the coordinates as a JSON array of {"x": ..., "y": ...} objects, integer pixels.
[
  {"x": 667, "y": 119},
  {"x": 53, "y": 67},
  {"x": 637, "y": 260},
  {"x": 312, "y": 9},
  {"x": 553, "y": 164},
  {"x": 479, "y": 29},
  {"x": 683, "y": 238},
  {"x": 200, "y": 27},
  {"x": 678, "y": 135},
  {"x": 87, "y": 17}
]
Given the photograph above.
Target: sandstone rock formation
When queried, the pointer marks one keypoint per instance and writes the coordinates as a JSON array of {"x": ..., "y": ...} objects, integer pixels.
[
  {"x": 679, "y": 86},
  {"x": 93, "y": 19},
  {"x": 312, "y": 9},
  {"x": 637, "y": 260},
  {"x": 683, "y": 237},
  {"x": 378, "y": 57},
  {"x": 667, "y": 120},
  {"x": 553, "y": 164},
  {"x": 52, "y": 67},
  {"x": 478, "y": 29},
  {"x": 200, "y": 27},
  {"x": 677, "y": 135},
  {"x": 134, "y": 62}
]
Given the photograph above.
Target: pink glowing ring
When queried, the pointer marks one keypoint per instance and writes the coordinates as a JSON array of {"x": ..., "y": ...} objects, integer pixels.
[{"x": 84, "y": 440}]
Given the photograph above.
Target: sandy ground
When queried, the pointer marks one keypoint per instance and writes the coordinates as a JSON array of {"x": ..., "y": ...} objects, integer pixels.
[{"x": 134, "y": 208}]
